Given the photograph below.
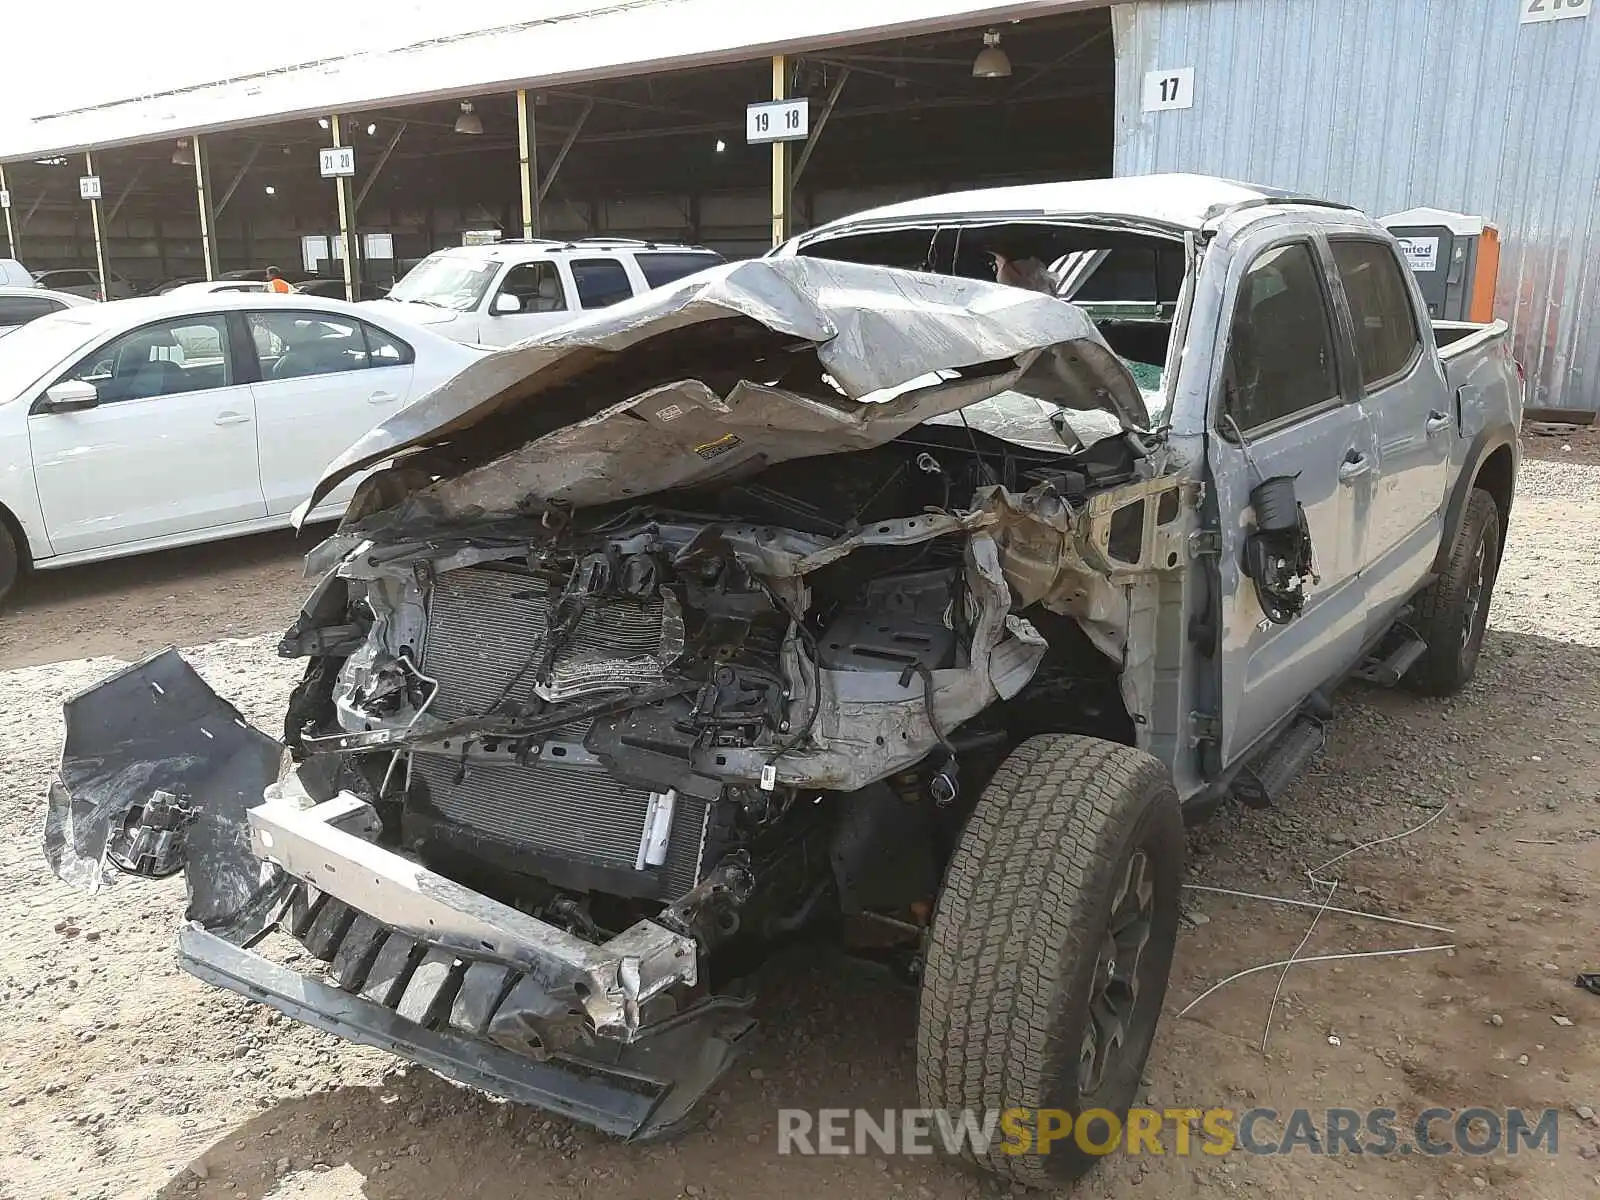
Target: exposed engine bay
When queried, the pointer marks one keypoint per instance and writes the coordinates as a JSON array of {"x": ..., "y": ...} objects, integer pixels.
[
  {"x": 596, "y": 713},
  {"x": 699, "y": 624}
]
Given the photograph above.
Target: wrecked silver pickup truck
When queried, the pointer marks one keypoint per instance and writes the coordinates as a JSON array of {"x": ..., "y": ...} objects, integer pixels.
[{"x": 838, "y": 589}]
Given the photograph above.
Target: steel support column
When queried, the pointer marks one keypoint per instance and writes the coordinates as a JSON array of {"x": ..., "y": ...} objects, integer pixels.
[
  {"x": 528, "y": 159},
  {"x": 780, "y": 158},
  {"x": 11, "y": 232},
  {"x": 99, "y": 234},
  {"x": 347, "y": 213},
  {"x": 208, "y": 216}
]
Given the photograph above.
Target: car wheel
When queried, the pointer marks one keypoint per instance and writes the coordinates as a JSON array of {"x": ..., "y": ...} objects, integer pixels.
[
  {"x": 1453, "y": 612},
  {"x": 10, "y": 560},
  {"x": 1051, "y": 945}
]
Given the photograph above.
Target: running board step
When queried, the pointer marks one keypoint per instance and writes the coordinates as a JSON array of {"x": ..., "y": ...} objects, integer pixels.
[
  {"x": 1391, "y": 668},
  {"x": 1267, "y": 777}
]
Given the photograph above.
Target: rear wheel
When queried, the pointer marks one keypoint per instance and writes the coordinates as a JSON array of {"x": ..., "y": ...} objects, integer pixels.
[
  {"x": 1454, "y": 612},
  {"x": 1052, "y": 943}
]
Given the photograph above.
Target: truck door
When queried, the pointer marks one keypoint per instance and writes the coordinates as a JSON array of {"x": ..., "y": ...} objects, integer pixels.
[
  {"x": 1405, "y": 396},
  {"x": 1284, "y": 407},
  {"x": 530, "y": 299}
]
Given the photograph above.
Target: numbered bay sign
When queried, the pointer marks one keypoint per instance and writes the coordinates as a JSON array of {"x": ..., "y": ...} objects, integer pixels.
[
  {"x": 778, "y": 121},
  {"x": 1553, "y": 10},
  {"x": 1169, "y": 89}
]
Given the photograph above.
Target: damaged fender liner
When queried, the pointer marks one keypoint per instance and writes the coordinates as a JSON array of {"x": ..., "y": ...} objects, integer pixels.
[{"x": 628, "y": 1101}]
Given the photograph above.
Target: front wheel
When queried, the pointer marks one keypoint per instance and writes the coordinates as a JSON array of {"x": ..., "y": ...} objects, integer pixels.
[
  {"x": 1453, "y": 613},
  {"x": 10, "y": 561},
  {"x": 1051, "y": 945}
]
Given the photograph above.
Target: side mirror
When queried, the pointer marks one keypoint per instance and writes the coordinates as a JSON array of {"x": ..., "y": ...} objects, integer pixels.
[
  {"x": 505, "y": 302},
  {"x": 72, "y": 395}
]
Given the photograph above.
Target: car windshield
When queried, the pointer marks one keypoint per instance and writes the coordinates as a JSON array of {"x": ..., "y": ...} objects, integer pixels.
[
  {"x": 35, "y": 347},
  {"x": 446, "y": 281}
]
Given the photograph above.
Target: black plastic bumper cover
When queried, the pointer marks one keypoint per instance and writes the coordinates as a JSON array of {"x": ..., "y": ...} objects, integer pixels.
[{"x": 623, "y": 1099}]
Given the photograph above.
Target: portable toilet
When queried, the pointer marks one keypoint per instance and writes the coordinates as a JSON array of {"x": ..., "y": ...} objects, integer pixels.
[{"x": 1455, "y": 258}]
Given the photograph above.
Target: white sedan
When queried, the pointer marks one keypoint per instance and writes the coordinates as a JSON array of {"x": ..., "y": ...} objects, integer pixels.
[{"x": 159, "y": 422}]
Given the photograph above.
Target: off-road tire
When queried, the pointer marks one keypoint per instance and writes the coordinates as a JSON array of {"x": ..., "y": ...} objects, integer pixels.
[
  {"x": 1448, "y": 617},
  {"x": 1014, "y": 953},
  {"x": 10, "y": 561}
]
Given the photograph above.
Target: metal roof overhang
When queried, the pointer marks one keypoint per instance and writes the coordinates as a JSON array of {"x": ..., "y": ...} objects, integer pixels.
[{"x": 627, "y": 37}]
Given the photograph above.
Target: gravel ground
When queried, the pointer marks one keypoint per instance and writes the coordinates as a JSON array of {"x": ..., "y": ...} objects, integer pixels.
[{"x": 124, "y": 1077}]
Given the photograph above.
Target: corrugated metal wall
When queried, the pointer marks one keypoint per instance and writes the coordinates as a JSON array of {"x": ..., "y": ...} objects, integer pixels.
[{"x": 1390, "y": 104}]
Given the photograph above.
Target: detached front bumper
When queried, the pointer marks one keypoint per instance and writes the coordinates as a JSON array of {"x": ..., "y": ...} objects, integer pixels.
[
  {"x": 643, "y": 1098},
  {"x": 618, "y": 1035}
]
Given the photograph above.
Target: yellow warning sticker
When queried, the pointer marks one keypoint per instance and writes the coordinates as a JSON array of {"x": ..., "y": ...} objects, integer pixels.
[{"x": 710, "y": 450}]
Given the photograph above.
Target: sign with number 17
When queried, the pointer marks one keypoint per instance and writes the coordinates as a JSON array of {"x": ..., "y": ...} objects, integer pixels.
[{"x": 1169, "y": 89}]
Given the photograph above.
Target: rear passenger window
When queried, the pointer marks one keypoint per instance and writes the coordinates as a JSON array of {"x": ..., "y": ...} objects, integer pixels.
[
  {"x": 19, "y": 310},
  {"x": 1280, "y": 348},
  {"x": 668, "y": 267},
  {"x": 383, "y": 350},
  {"x": 601, "y": 282},
  {"x": 293, "y": 345},
  {"x": 1387, "y": 338}
]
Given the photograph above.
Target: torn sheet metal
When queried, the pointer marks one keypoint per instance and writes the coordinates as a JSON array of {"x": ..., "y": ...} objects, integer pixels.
[
  {"x": 154, "y": 734},
  {"x": 870, "y": 329},
  {"x": 870, "y": 724}
]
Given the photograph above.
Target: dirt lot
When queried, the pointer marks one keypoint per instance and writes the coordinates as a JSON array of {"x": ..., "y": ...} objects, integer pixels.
[{"x": 123, "y": 1077}]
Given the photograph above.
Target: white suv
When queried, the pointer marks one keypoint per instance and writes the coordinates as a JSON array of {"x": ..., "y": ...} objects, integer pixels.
[{"x": 498, "y": 294}]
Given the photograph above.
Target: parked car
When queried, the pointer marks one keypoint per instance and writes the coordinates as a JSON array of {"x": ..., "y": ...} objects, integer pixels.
[
  {"x": 206, "y": 287},
  {"x": 498, "y": 294},
  {"x": 84, "y": 283},
  {"x": 14, "y": 274},
  {"x": 162, "y": 421},
  {"x": 792, "y": 597},
  {"x": 19, "y": 305}
]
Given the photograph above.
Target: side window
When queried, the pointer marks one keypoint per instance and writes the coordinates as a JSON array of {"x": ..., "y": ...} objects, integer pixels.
[
  {"x": 668, "y": 266},
  {"x": 19, "y": 310},
  {"x": 1280, "y": 347},
  {"x": 537, "y": 287},
  {"x": 601, "y": 282},
  {"x": 383, "y": 350},
  {"x": 188, "y": 354},
  {"x": 1387, "y": 338},
  {"x": 293, "y": 345}
]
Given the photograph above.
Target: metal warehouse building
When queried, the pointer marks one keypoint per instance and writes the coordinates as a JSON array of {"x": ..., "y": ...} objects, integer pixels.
[{"x": 628, "y": 118}]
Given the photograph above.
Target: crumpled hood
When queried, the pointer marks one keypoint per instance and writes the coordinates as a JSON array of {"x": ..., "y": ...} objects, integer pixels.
[
  {"x": 841, "y": 354},
  {"x": 416, "y": 314}
]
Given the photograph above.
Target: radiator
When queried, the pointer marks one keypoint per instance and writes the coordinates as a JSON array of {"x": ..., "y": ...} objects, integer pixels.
[
  {"x": 485, "y": 623},
  {"x": 564, "y": 803}
]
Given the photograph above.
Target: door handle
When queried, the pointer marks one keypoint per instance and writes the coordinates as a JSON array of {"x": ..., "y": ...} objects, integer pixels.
[
  {"x": 381, "y": 397},
  {"x": 231, "y": 418},
  {"x": 1354, "y": 467},
  {"x": 1437, "y": 422}
]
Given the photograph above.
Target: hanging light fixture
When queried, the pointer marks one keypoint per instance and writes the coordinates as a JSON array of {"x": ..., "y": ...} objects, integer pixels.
[
  {"x": 372, "y": 129},
  {"x": 183, "y": 154},
  {"x": 992, "y": 62},
  {"x": 469, "y": 121}
]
